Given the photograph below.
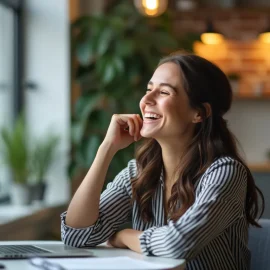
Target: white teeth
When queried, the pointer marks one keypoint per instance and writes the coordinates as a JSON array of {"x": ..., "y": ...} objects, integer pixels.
[{"x": 152, "y": 115}]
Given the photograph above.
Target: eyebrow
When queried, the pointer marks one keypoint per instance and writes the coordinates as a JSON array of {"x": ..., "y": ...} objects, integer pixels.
[{"x": 166, "y": 84}]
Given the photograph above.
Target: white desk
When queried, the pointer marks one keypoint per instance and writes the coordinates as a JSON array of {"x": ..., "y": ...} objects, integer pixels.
[{"x": 100, "y": 251}]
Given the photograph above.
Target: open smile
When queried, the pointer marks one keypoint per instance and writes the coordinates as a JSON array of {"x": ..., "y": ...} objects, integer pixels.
[{"x": 151, "y": 117}]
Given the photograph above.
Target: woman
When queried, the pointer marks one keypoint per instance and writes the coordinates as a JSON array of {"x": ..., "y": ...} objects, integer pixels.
[{"x": 189, "y": 193}]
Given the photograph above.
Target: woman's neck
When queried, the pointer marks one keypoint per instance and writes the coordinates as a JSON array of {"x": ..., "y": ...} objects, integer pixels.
[{"x": 171, "y": 156}]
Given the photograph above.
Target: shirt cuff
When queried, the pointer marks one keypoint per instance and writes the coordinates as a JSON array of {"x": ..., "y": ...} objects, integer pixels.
[
  {"x": 66, "y": 227},
  {"x": 145, "y": 241}
]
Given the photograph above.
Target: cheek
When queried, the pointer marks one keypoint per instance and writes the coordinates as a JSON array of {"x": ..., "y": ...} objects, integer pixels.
[
  {"x": 168, "y": 106},
  {"x": 176, "y": 110}
]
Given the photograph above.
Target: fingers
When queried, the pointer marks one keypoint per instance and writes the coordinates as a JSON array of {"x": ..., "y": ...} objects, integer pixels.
[
  {"x": 108, "y": 243},
  {"x": 131, "y": 121},
  {"x": 131, "y": 126},
  {"x": 137, "y": 126},
  {"x": 140, "y": 126}
]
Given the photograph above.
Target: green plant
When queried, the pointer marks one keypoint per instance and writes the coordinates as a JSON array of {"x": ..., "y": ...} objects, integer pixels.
[
  {"x": 16, "y": 151},
  {"x": 42, "y": 156},
  {"x": 114, "y": 55},
  {"x": 268, "y": 154},
  {"x": 186, "y": 41},
  {"x": 233, "y": 76}
]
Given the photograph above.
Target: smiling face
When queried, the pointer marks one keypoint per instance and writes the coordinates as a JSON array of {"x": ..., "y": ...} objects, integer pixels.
[{"x": 165, "y": 106}]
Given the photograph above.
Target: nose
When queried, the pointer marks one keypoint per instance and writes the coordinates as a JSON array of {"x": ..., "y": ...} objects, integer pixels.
[{"x": 149, "y": 98}]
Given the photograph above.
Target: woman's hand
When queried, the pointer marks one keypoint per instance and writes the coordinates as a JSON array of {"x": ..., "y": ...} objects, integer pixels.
[
  {"x": 127, "y": 238},
  {"x": 116, "y": 240},
  {"x": 123, "y": 130}
]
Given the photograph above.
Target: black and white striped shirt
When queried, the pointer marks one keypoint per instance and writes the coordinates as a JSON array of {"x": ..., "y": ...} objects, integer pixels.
[{"x": 211, "y": 235}]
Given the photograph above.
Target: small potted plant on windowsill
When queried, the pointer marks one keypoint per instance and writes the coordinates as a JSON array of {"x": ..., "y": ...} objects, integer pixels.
[
  {"x": 42, "y": 156},
  {"x": 268, "y": 155},
  {"x": 234, "y": 79},
  {"x": 16, "y": 157}
]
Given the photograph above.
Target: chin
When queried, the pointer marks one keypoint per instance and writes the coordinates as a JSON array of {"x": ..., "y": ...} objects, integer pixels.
[{"x": 146, "y": 134}]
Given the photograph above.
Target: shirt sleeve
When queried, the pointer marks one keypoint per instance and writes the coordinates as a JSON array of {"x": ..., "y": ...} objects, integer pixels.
[
  {"x": 114, "y": 210},
  {"x": 219, "y": 204}
]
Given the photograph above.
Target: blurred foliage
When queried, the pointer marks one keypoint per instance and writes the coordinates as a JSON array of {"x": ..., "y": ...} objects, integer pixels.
[
  {"x": 16, "y": 150},
  {"x": 26, "y": 157},
  {"x": 42, "y": 156},
  {"x": 234, "y": 76},
  {"x": 114, "y": 56}
]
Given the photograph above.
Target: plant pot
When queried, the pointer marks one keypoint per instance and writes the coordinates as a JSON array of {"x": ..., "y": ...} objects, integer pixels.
[
  {"x": 19, "y": 194},
  {"x": 37, "y": 192},
  {"x": 235, "y": 86}
]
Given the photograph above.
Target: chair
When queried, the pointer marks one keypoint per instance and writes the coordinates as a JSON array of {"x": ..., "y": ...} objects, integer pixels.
[{"x": 259, "y": 245}]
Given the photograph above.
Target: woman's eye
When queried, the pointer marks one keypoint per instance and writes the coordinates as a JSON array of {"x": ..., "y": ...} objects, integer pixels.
[
  {"x": 164, "y": 93},
  {"x": 148, "y": 90}
]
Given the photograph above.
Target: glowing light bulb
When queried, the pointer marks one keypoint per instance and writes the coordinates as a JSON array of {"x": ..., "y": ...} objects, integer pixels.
[
  {"x": 151, "y": 8},
  {"x": 150, "y": 4},
  {"x": 265, "y": 37},
  {"x": 211, "y": 38}
]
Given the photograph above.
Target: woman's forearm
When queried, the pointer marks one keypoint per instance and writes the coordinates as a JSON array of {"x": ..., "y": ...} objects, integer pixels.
[
  {"x": 132, "y": 241},
  {"x": 127, "y": 238},
  {"x": 83, "y": 210}
]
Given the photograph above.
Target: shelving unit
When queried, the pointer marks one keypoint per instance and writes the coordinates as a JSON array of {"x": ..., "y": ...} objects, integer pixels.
[
  {"x": 251, "y": 97},
  {"x": 260, "y": 167}
]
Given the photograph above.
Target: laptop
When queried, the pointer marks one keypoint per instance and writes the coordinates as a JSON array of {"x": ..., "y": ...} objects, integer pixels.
[{"x": 23, "y": 251}]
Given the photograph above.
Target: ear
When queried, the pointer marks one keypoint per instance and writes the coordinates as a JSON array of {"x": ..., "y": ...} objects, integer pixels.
[{"x": 198, "y": 116}]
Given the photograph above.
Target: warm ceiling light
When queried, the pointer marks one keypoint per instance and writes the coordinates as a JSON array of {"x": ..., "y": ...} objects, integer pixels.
[
  {"x": 151, "y": 8},
  {"x": 211, "y": 36},
  {"x": 265, "y": 37}
]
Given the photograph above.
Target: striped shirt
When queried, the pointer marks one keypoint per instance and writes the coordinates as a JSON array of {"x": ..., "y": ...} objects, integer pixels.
[{"x": 211, "y": 235}]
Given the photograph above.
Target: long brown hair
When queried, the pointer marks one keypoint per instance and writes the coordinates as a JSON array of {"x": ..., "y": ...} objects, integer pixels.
[{"x": 203, "y": 82}]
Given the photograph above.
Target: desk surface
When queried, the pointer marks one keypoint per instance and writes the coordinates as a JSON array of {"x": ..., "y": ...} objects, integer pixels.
[{"x": 100, "y": 251}]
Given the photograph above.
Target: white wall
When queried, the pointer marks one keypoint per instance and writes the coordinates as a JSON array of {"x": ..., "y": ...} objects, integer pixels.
[
  {"x": 6, "y": 84},
  {"x": 249, "y": 120},
  {"x": 47, "y": 64}
]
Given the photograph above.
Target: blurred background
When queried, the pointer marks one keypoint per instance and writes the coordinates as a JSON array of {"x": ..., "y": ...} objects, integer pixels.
[{"x": 66, "y": 66}]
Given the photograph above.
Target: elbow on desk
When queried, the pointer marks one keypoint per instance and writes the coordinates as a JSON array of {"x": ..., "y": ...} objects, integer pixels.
[
  {"x": 77, "y": 243},
  {"x": 80, "y": 238}
]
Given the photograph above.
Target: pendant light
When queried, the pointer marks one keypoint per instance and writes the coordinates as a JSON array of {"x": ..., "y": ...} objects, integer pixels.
[
  {"x": 211, "y": 36},
  {"x": 151, "y": 8},
  {"x": 264, "y": 36}
]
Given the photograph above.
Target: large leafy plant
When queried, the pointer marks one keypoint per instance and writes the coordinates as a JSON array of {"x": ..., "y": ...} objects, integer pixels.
[{"x": 114, "y": 55}]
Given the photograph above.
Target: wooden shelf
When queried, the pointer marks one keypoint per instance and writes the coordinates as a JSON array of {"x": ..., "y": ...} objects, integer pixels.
[
  {"x": 246, "y": 97},
  {"x": 260, "y": 167}
]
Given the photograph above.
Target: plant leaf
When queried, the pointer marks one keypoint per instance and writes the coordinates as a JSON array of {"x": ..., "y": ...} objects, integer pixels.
[
  {"x": 86, "y": 104},
  {"x": 91, "y": 148}
]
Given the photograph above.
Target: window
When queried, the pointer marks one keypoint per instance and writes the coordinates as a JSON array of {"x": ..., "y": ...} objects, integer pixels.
[{"x": 11, "y": 48}]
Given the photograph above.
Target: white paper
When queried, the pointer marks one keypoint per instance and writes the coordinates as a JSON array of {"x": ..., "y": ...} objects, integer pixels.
[{"x": 112, "y": 263}]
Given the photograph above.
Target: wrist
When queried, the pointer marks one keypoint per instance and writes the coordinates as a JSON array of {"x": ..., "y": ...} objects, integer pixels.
[{"x": 107, "y": 148}]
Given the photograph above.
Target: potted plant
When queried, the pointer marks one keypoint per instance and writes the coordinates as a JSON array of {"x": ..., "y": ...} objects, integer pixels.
[
  {"x": 268, "y": 155},
  {"x": 42, "y": 156},
  {"x": 113, "y": 55},
  {"x": 16, "y": 157},
  {"x": 234, "y": 79}
]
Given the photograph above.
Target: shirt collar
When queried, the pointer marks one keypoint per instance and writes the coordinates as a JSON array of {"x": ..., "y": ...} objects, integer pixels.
[{"x": 161, "y": 178}]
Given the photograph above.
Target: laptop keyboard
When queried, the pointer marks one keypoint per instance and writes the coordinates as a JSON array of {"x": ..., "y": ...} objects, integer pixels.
[{"x": 13, "y": 250}]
